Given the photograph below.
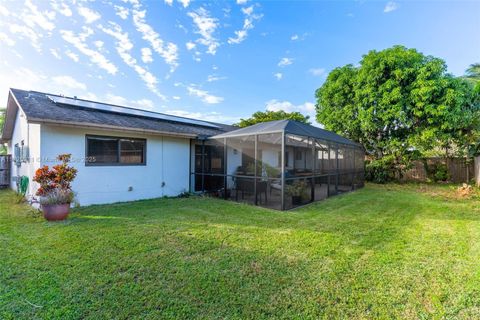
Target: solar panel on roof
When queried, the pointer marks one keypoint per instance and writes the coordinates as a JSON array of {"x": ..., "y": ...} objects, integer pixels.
[{"x": 126, "y": 110}]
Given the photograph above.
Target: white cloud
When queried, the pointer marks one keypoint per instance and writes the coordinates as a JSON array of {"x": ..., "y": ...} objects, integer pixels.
[
  {"x": 241, "y": 35},
  {"x": 190, "y": 45},
  {"x": 240, "y": 2},
  {"x": 176, "y": 98},
  {"x": 212, "y": 78},
  {"x": 34, "y": 17},
  {"x": 123, "y": 47},
  {"x": 390, "y": 6},
  {"x": 147, "y": 55},
  {"x": 184, "y": 3},
  {"x": 35, "y": 79},
  {"x": 4, "y": 11},
  {"x": 55, "y": 53},
  {"x": 78, "y": 41},
  {"x": 285, "y": 62},
  {"x": 62, "y": 8},
  {"x": 205, "y": 27},
  {"x": 26, "y": 32},
  {"x": 297, "y": 37},
  {"x": 21, "y": 78},
  {"x": 99, "y": 44},
  {"x": 169, "y": 51},
  {"x": 4, "y": 38},
  {"x": 278, "y": 75},
  {"x": 205, "y": 96},
  {"x": 69, "y": 82},
  {"x": 122, "y": 12},
  {"x": 307, "y": 108},
  {"x": 89, "y": 15},
  {"x": 145, "y": 104},
  {"x": 72, "y": 55},
  {"x": 317, "y": 71},
  {"x": 247, "y": 11}
]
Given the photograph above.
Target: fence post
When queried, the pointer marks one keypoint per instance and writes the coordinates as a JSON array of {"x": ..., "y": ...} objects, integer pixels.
[{"x": 476, "y": 167}]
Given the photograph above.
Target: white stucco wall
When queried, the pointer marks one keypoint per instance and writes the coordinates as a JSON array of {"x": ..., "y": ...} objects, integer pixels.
[
  {"x": 167, "y": 162},
  {"x": 30, "y": 134}
]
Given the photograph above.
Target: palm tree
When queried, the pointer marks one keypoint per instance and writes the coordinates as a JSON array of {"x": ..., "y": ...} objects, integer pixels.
[{"x": 473, "y": 73}]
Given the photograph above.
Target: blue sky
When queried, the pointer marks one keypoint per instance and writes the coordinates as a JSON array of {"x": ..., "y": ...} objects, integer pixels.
[{"x": 218, "y": 61}]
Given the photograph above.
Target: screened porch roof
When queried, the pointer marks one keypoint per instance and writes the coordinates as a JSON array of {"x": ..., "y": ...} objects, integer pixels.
[{"x": 287, "y": 127}]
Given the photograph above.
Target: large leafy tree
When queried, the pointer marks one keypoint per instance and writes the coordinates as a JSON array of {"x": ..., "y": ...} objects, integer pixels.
[
  {"x": 398, "y": 103},
  {"x": 473, "y": 72},
  {"x": 265, "y": 116}
]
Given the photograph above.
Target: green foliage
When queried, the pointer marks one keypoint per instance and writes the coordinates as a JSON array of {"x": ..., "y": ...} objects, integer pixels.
[
  {"x": 473, "y": 72},
  {"x": 398, "y": 101},
  {"x": 266, "y": 116},
  {"x": 441, "y": 173},
  {"x": 379, "y": 171},
  {"x": 383, "y": 252},
  {"x": 437, "y": 172},
  {"x": 298, "y": 188}
]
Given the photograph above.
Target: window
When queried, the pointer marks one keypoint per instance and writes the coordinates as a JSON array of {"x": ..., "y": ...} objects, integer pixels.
[{"x": 101, "y": 151}]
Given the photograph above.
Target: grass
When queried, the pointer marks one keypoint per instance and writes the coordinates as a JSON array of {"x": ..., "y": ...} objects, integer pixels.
[{"x": 409, "y": 252}]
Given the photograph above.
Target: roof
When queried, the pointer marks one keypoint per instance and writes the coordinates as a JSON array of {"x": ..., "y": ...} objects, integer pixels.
[
  {"x": 288, "y": 127},
  {"x": 39, "y": 107}
]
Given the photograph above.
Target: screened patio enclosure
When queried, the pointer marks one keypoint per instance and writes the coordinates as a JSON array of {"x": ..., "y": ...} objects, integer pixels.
[{"x": 278, "y": 164}]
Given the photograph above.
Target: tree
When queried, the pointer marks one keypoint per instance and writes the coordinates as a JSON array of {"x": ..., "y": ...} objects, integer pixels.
[
  {"x": 398, "y": 103},
  {"x": 266, "y": 116},
  {"x": 473, "y": 72}
]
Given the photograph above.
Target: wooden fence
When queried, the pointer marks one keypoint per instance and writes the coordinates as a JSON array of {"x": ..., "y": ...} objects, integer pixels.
[{"x": 458, "y": 170}]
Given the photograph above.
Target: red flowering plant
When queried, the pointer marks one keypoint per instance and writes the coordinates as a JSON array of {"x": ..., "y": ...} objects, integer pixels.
[{"x": 55, "y": 183}]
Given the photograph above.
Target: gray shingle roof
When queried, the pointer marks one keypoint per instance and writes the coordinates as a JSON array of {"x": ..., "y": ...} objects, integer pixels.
[
  {"x": 289, "y": 127},
  {"x": 39, "y": 108}
]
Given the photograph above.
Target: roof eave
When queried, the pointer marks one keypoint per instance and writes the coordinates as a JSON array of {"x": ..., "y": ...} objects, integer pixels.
[{"x": 10, "y": 114}]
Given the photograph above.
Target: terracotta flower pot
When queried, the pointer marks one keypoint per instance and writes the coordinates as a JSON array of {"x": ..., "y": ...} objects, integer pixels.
[{"x": 56, "y": 212}]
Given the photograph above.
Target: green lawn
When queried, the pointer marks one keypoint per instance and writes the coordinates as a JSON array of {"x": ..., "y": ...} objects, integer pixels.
[{"x": 407, "y": 252}]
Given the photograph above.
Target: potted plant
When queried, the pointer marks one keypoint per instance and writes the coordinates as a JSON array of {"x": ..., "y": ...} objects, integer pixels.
[
  {"x": 298, "y": 191},
  {"x": 55, "y": 192}
]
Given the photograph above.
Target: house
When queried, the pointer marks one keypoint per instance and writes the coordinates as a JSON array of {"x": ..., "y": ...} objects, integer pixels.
[{"x": 125, "y": 154}]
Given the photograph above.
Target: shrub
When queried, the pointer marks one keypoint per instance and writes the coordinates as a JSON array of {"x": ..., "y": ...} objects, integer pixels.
[
  {"x": 55, "y": 183},
  {"x": 298, "y": 188},
  {"x": 379, "y": 171},
  {"x": 436, "y": 171},
  {"x": 441, "y": 173}
]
